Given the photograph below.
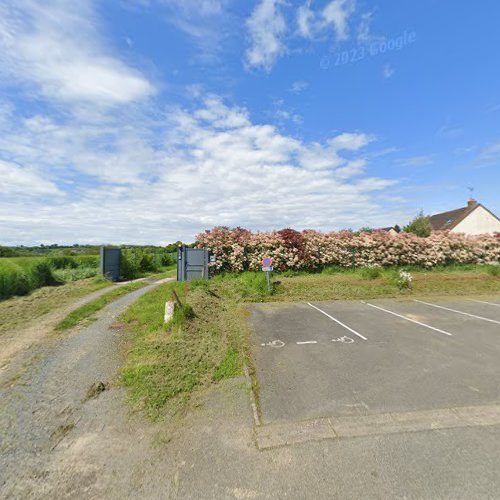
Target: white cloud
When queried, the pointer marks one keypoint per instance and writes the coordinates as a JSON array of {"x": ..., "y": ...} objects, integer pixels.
[
  {"x": 314, "y": 24},
  {"x": 449, "y": 130},
  {"x": 364, "y": 28},
  {"x": 172, "y": 177},
  {"x": 492, "y": 151},
  {"x": 266, "y": 28},
  {"x": 305, "y": 20},
  {"x": 298, "y": 87},
  {"x": 17, "y": 180},
  {"x": 59, "y": 51},
  {"x": 337, "y": 13},
  {"x": 350, "y": 141},
  {"x": 416, "y": 161},
  {"x": 388, "y": 71},
  {"x": 207, "y": 22}
]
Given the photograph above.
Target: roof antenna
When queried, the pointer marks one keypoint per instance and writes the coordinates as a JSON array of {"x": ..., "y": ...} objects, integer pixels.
[{"x": 471, "y": 202}]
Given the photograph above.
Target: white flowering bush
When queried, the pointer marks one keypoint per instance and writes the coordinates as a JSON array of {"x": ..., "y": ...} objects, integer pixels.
[
  {"x": 240, "y": 250},
  {"x": 405, "y": 279}
]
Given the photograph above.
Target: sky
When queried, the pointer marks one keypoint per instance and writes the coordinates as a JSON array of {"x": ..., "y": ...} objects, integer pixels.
[{"x": 149, "y": 121}]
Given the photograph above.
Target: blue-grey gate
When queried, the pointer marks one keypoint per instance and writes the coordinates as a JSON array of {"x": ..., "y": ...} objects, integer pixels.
[
  {"x": 192, "y": 263},
  {"x": 110, "y": 263}
]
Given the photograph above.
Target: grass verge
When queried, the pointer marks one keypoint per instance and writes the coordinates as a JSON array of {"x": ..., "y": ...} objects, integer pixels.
[
  {"x": 361, "y": 284},
  {"x": 86, "y": 311},
  {"x": 202, "y": 344}
]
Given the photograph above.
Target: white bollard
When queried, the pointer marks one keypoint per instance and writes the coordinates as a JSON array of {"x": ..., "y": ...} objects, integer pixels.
[{"x": 169, "y": 310}]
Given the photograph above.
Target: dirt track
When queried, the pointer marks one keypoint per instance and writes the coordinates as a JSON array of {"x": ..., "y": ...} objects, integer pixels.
[
  {"x": 47, "y": 417},
  {"x": 35, "y": 331}
]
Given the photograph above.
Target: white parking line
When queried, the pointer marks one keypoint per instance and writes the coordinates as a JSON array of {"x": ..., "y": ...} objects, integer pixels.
[
  {"x": 337, "y": 321},
  {"x": 484, "y": 302},
  {"x": 408, "y": 319},
  {"x": 307, "y": 342},
  {"x": 458, "y": 312}
]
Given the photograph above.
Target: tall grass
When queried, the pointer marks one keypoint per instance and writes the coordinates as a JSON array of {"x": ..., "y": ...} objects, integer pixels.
[
  {"x": 135, "y": 262},
  {"x": 21, "y": 275}
]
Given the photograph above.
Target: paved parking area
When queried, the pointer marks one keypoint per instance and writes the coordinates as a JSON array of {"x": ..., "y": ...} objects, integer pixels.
[{"x": 402, "y": 359}]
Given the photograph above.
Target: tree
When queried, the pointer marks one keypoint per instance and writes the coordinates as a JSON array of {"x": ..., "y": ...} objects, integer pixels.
[
  {"x": 420, "y": 226},
  {"x": 7, "y": 252}
]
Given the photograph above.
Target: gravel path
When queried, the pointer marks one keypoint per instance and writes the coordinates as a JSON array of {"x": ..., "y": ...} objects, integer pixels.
[
  {"x": 49, "y": 408},
  {"x": 21, "y": 340}
]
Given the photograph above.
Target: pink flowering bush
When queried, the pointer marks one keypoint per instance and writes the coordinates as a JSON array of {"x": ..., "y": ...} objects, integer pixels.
[{"x": 240, "y": 250}]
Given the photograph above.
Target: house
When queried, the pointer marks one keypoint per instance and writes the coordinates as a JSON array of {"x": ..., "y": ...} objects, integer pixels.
[
  {"x": 472, "y": 219},
  {"x": 393, "y": 231}
]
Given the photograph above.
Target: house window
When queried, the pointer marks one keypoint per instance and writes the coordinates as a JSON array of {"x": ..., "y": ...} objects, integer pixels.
[{"x": 449, "y": 221}]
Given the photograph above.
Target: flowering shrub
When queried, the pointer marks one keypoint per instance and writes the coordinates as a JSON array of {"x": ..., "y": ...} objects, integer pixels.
[
  {"x": 405, "y": 279},
  {"x": 240, "y": 250}
]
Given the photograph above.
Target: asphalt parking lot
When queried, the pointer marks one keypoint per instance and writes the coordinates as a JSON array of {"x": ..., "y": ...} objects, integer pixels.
[{"x": 374, "y": 362}]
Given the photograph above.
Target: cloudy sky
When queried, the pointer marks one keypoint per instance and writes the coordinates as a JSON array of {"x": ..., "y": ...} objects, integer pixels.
[{"x": 148, "y": 121}]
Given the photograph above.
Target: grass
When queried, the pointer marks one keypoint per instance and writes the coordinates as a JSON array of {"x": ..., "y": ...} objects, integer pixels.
[
  {"x": 17, "y": 312},
  {"x": 166, "y": 272},
  {"x": 21, "y": 275},
  {"x": 86, "y": 311},
  {"x": 202, "y": 344},
  {"x": 208, "y": 339},
  {"x": 370, "y": 283}
]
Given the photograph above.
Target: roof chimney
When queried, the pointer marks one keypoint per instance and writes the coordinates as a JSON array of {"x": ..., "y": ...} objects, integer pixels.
[{"x": 471, "y": 203}]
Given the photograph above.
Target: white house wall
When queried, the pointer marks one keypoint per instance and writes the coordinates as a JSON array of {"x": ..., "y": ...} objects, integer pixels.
[{"x": 480, "y": 221}]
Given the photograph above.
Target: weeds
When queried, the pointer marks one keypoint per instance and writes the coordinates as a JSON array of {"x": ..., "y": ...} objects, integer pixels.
[
  {"x": 371, "y": 272},
  {"x": 87, "y": 310},
  {"x": 493, "y": 270}
]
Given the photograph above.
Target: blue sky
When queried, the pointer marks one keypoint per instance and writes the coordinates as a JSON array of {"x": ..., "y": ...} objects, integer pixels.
[{"x": 148, "y": 121}]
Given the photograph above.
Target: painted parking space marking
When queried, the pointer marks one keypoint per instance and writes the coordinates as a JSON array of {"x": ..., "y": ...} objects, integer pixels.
[
  {"x": 307, "y": 342},
  {"x": 458, "y": 312},
  {"x": 274, "y": 343},
  {"x": 337, "y": 321},
  {"x": 408, "y": 319},
  {"x": 484, "y": 302},
  {"x": 344, "y": 340}
]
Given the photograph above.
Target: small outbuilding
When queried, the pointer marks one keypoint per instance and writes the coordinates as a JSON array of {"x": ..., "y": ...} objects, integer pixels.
[{"x": 472, "y": 219}]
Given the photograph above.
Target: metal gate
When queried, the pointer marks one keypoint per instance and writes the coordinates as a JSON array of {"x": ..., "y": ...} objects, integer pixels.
[
  {"x": 192, "y": 264},
  {"x": 110, "y": 263}
]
